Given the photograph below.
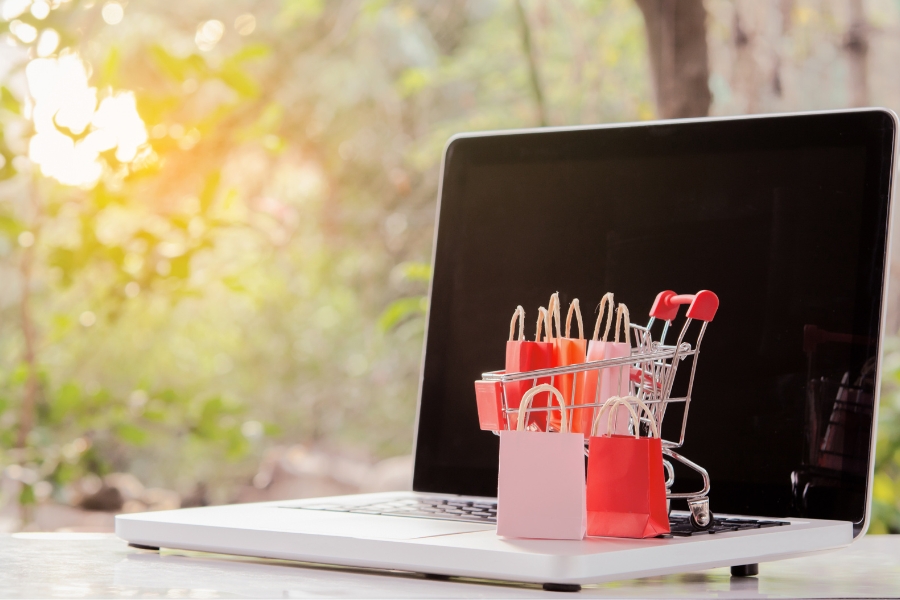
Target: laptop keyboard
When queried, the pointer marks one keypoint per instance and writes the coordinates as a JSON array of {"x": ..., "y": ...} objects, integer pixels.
[
  {"x": 486, "y": 512},
  {"x": 424, "y": 508},
  {"x": 680, "y": 525}
]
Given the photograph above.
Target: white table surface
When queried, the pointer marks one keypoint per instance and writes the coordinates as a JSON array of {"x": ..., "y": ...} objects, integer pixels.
[{"x": 78, "y": 565}]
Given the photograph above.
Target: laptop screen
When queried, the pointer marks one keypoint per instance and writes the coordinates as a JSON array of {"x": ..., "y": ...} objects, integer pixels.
[{"x": 785, "y": 218}]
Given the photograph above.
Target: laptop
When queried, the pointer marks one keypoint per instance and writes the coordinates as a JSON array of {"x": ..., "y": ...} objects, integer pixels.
[{"x": 785, "y": 217}]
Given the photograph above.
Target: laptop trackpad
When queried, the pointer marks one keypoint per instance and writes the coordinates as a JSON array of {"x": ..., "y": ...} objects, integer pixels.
[{"x": 372, "y": 527}]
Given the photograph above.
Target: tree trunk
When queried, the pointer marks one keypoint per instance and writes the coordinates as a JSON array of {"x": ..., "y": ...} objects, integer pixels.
[
  {"x": 676, "y": 36},
  {"x": 856, "y": 44},
  {"x": 29, "y": 400},
  {"x": 534, "y": 75}
]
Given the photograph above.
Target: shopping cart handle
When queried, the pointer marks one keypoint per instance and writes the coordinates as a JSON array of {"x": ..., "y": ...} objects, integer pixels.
[{"x": 703, "y": 305}]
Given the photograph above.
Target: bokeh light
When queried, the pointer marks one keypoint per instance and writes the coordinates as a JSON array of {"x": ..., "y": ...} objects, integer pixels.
[
  {"x": 245, "y": 24},
  {"x": 66, "y": 106},
  {"x": 113, "y": 12},
  {"x": 40, "y": 10},
  {"x": 13, "y": 8},
  {"x": 209, "y": 33},
  {"x": 48, "y": 42}
]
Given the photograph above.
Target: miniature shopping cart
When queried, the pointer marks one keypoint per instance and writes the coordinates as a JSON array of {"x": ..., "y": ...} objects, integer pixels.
[{"x": 651, "y": 370}]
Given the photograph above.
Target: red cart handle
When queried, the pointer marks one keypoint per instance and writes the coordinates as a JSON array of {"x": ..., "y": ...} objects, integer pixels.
[{"x": 703, "y": 305}]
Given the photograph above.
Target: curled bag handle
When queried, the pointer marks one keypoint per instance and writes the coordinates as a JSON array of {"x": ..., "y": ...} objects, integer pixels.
[
  {"x": 553, "y": 313},
  {"x": 575, "y": 307},
  {"x": 526, "y": 404},
  {"x": 623, "y": 310},
  {"x": 613, "y": 403},
  {"x": 543, "y": 317},
  {"x": 520, "y": 316},
  {"x": 703, "y": 305},
  {"x": 607, "y": 298}
]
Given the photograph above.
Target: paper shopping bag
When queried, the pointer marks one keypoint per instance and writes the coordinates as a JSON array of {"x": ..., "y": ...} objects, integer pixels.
[
  {"x": 626, "y": 489},
  {"x": 522, "y": 355},
  {"x": 603, "y": 384},
  {"x": 567, "y": 351},
  {"x": 540, "y": 491},
  {"x": 596, "y": 350},
  {"x": 488, "y": 396}
]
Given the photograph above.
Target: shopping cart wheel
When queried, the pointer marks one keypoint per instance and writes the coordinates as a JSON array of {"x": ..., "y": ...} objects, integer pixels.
[
  {"x": 698, "y": 527},
  {"x": 701, "y": 516}
]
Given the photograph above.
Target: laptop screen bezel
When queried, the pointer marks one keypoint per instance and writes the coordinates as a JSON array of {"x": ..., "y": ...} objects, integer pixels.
[{"x": 431, "y": 478}]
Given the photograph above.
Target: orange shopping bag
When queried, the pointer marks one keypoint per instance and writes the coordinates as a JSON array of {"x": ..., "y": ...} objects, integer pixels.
[
  {"x": 626, "y": 488},
  {"x": 540, "y": 490},
  {"x": 567, "y": 351}
]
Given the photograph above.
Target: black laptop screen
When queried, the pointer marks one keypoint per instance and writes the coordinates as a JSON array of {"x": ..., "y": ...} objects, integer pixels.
[{"x": 785, "y": 218}]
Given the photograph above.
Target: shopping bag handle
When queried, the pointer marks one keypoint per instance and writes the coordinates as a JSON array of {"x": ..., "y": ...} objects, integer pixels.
[
  {"x": 607, "y": 297},
  {"x": 553, "y": 312},
  {"x": 543, "y": 317},
  {"x": 703, "y": 305},
  {"x": 519, "y": 315},
  {"x": 620, "y": 312},
  {"x": 526, "y": 404},
  {"x": 613, "y": 403},
  {"x": 575, "y": 307}
]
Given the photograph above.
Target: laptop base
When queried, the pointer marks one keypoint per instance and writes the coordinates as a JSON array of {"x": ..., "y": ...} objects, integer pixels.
[{"x": 284, "y": 530}]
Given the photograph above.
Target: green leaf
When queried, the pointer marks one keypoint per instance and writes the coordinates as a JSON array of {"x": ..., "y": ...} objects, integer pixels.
[
  {"x": 412, "y": 81},
  {"x": 66, "y": 401},
  {"x": 110, "y": 69},
  {"x": 416, "y": 271},
  {"x": 11, "y": 226},
  {"x": 296, "y": 10},
  {"x": 238, "y": 80},
  {"x": 132, "y": 434},
  {"x": 26, "y": 496},
  {"x": 9, "y": 102},
  {"x": 255, "y": 51},
  {"x": 399, "y": 310},
  {"x": 168, "y": 64},
  {"x": 210, "y": 186},
  {"x": 181, "y": 266}
]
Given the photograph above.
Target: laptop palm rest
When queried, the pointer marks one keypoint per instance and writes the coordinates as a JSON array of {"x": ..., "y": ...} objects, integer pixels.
[{"x": 277, "y": 517}]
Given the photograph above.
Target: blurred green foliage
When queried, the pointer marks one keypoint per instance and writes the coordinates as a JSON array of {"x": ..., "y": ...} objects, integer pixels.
[
  {"x": 886, "y": 488},
  {"x": 257, "y": 272}
]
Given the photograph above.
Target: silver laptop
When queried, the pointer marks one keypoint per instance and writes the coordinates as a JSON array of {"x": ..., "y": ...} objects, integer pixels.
[{"x": 786, "y": 218}]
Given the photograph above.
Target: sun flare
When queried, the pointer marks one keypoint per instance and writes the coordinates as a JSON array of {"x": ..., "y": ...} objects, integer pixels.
[{"x": 65, "y": 107}]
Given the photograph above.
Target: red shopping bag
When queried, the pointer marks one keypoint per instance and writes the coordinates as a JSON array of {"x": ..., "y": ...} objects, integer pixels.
[
  {"x": 540, "y": 490},
  {"x": 626, "y": 489},
  {"x": 522, "y": 355},
  {"x": 567, "y": 351},
  {"x": 602, "y": 385}
]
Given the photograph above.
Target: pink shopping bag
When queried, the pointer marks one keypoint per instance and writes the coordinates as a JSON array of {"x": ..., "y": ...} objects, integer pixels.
[
  {"x": 602, "y": 385},
  {"x": 596, "y": 350},
  {"x": 541, "y": 487}
]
